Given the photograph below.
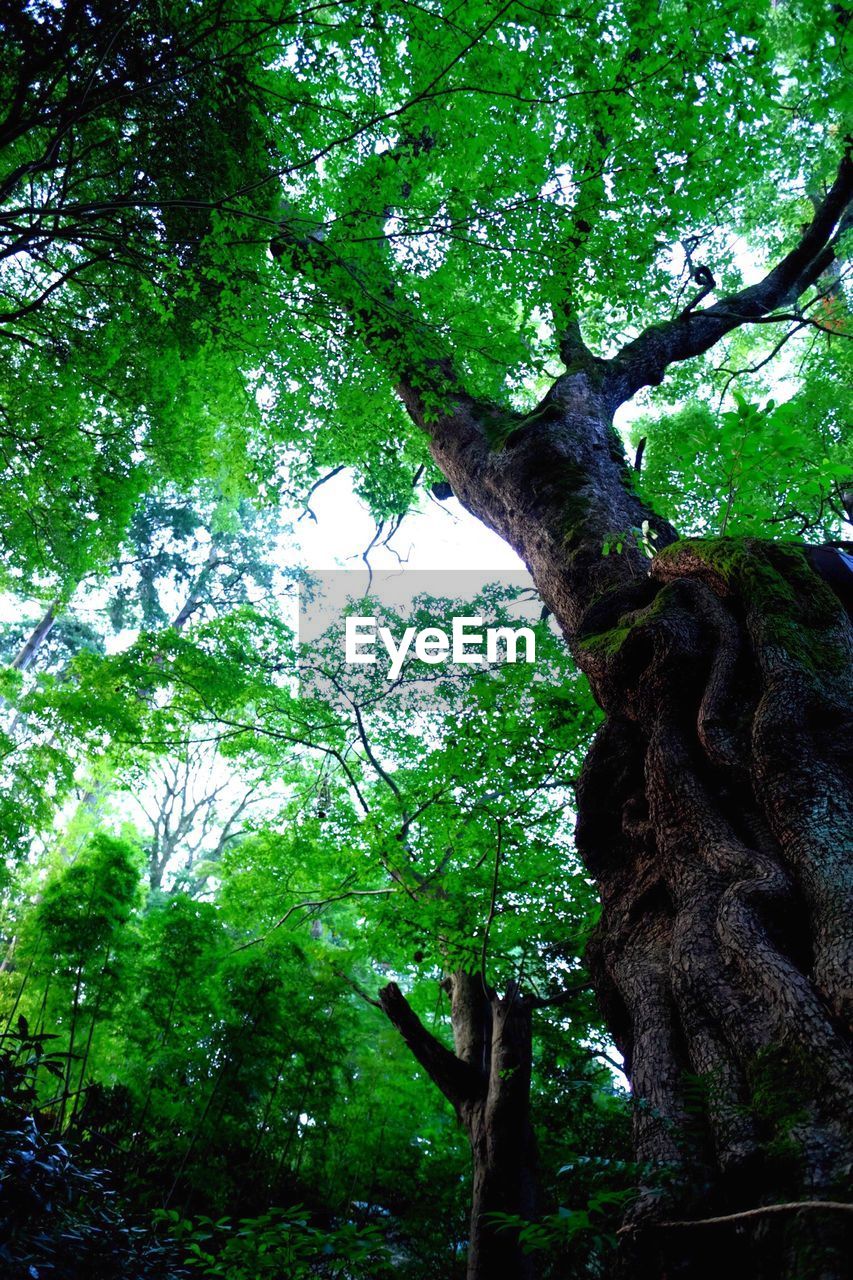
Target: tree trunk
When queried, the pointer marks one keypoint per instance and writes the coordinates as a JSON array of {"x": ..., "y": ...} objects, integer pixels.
[
  {"x": 488, "y": 1082},
  {"x": 715, "y": 815},
  {"x": 26, "y": 655},
  {"x": 494, "y": 1034}
]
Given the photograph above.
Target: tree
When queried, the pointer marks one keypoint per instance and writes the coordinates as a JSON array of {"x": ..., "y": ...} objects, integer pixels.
[
  {"x": 721, "y": 826},
  {"x": 466, "y": 196},
  {"x": 469, "y": 848},
  {"x": 714, "y": 805},
  {"x": 487, "y": 1081},
  {"x": 122, "y": 348},
  {"x": 424, "y": 848}
]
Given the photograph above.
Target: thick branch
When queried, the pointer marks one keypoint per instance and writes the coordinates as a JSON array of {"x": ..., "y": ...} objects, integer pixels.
[
  {"x": 456, "y": 1080},
  {"x": 388, "y": 322},
  {"x": 552, "y": 482},
  {"x": 26, "y": 654},
  {"x": 644, "y": 361}
]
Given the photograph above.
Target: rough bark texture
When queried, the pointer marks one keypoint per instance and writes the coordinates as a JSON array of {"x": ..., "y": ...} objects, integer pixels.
[
  {"x": 715, "y": 814},
  {"x": 487, "y": 1080}
]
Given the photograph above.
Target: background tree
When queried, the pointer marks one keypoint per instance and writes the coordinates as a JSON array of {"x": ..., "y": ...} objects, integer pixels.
[{"x": 234, "y": 1062}]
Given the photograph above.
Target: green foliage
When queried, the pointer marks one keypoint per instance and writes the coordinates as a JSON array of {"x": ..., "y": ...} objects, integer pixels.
[
  {"x": 555, "y": 1231},
  {"x": 205, "y": 207},
  {"x": 776, "y": 470},
  {"x": 280, "y": 1242},
  {"x": 116, "y": 308},
  {"x": 59, "y": 1217}
]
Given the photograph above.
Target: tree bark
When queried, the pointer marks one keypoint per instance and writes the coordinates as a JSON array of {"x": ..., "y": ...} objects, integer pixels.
[
  {"x": 487, "y": 1080},
  {"x": 715, "y": 814}
]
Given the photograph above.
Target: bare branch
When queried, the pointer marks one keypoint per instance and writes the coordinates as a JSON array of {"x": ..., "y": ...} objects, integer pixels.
[
  {"x": 761, "y": 1211},
  {"x": 644, "y": 361},
  {"x": 554, "y": 1002},
  {"x": 315, "y": 904},
  {"x": 330, "y": 475}
]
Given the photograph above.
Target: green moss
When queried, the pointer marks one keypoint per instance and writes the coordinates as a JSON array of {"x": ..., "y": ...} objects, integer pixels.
[
  {"x": 790, "y": 607},
  {"x": 570, "y": 481},
  {"x": 498, "y": 430},
  {"x": 607, "y": 643}
]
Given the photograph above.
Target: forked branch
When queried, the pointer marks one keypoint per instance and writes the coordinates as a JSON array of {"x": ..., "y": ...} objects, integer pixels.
[
  {"x": 456, "y": 1080},
  {"x": 644, "y": 361}
]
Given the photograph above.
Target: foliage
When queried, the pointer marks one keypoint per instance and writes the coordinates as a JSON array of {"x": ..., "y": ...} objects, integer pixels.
[
  {"x": 60, "y": 1218},
  {"x": 189, "y": 992},
  {"x": 280, "y": 1242},
  {"x": 754, "y": 469}
]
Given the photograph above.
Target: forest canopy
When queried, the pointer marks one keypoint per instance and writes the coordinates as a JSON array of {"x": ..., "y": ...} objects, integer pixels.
[{"x": 493, "y": 972}]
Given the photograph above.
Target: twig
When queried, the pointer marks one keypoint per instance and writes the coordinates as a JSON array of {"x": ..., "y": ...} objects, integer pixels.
[
  {"x": 492, "y": 904},
  {"x": 357, "y": 989},
  {"x": 313, "y": 902},
  {"x": 315, "y": 486},
  {"x": 553, "y": 1002}
]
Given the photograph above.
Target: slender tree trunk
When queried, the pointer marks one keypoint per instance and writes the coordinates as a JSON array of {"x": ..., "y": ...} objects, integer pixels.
[
  {"x": 503, "y": 1147},
  {"x": 487, "y": 1080},
  {"x": 26, "y": 655}
]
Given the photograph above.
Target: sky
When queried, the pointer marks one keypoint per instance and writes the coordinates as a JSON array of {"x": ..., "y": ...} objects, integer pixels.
[{"x": 440, "y": 535}]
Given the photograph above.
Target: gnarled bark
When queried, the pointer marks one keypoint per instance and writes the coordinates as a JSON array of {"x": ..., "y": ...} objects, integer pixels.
[
  {"x": 715, "y": 814},
  {"x": 716, "y": 817}
]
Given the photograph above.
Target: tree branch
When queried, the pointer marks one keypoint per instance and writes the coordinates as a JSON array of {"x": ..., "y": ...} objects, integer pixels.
[
  {"x": 386, "y": 320},
  {"x": 456, "y": 1080},
  {"x": 644, "y": 361},
  {"x": 796, "y": 1206},
  {"x": 554, "y": 1002},
  {"x": 359, "y": 991}
]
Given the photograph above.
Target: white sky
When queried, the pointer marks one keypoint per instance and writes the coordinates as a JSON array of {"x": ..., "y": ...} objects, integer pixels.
[{"x": 440, "y": 535}]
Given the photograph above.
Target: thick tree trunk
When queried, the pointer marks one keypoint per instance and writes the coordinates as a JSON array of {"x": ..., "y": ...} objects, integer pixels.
[
  {"x": 488, "y": 1082},
  {"x": 715, "y": 814}
]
